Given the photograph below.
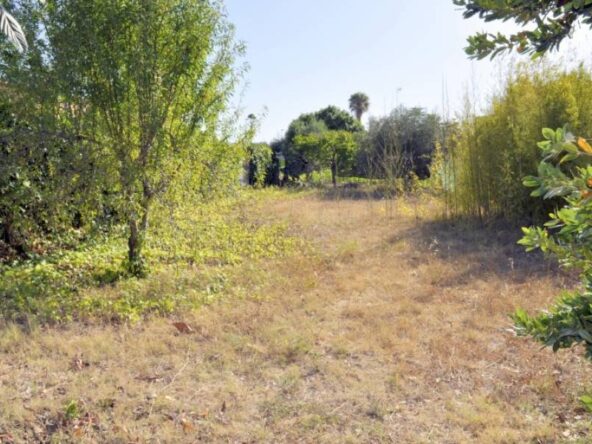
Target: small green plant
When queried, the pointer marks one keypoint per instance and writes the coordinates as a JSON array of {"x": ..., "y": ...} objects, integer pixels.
[
  {"x": 565, "y": 173},
  {"x": 586, "y": 401},
  {"x": 71, "y": 411}
]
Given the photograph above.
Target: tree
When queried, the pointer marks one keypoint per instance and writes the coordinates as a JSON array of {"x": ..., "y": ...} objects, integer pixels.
[
  {"x": 330, "y": 118},
  {"x": 148, "y": 82},
  {"x": 554, "y": 20},
  {"x": 400, "y": 143},
  {"x": 296, "y": 161},
  {"x": 337, "y": 119},
  {"x": 260, "y": 160},
  {"x": 333, "y": 149},
  {"x": 359, "y": 103}
]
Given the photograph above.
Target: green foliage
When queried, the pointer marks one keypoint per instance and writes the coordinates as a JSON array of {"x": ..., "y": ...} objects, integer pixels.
[
  {"x": 71, "y": 411},
  {"x": 399, "y": 144},
  {"x": 487, "y": 156},
  {"x": 149, "y": 108},
  {"x": 337, "y": 119},
  {"x": 566, "y": 173},
  {"x": 260, "y": 160},
  {"x": 331, "y": 149},
  {"x": 553, "y": 21},
  {"x": 327, "y": 119},
  {"x": 586, "y": 401},
  {"x": 191, "y": 251}
]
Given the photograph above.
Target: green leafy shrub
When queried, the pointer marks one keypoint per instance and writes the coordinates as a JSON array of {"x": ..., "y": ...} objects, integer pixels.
[
  {"x": 191, "y": 251},
  {"x": 260, "y": 160},
  {"x": 565, "y": 173}
]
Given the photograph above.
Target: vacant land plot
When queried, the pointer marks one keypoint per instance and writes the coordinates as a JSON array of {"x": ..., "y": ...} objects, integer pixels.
[{"x": 391, "y": 327}]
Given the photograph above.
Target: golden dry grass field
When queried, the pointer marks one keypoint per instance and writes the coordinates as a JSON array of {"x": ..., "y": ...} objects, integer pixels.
[{"x": 391, "y": 327}]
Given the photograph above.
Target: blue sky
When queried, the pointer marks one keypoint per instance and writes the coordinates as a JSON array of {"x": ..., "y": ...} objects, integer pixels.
[{"x": 307, "y": 54}]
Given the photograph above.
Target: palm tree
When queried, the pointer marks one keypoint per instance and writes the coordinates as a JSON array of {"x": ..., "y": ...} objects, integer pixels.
[
  {"x": 11, "y": 28},
  {"x": 359, "y": 104}
]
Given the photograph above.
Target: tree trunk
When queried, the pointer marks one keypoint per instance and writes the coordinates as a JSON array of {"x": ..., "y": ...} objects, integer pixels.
[
  {"x": 334, "y": 173},
  {"x": 137, "y": 235},
  {"x": 134, "y": 243}
]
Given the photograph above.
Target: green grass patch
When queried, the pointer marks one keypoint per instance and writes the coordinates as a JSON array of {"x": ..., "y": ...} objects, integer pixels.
[{"x": 193, "y": 254}]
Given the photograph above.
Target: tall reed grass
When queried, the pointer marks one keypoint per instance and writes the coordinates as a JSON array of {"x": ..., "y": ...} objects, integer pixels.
[{"x": 489, "y": 153}]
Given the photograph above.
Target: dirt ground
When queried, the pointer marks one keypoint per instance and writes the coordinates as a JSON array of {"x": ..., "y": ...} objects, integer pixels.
[{"x": 392, "y": 327}]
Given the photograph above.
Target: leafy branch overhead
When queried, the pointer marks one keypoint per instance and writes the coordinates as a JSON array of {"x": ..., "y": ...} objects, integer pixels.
[
  {"x": 554, "y": 20},
  {"x": 11, "y": 28},
  {"x": 566, "y": 173}
]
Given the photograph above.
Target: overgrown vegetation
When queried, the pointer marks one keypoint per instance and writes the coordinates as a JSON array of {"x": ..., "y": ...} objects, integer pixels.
[
  {"x": 131, "y": 191},
  {"x": 488, "y": 155},
  {"x": 565, "y": 171},
  {"x": 190, "y": 251},
  {"x": 102, "y": 120}
]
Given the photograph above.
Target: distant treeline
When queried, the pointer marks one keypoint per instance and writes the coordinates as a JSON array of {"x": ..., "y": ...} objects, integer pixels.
[
  {"x": 482, "y": 157},
  {"x": 395, "y": 146}
]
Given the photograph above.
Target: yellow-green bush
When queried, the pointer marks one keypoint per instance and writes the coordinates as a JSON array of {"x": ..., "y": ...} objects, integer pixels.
[{"x": 490, "y": 154}]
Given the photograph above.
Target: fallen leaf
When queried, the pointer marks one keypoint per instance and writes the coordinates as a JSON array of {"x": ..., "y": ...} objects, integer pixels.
[
  {"x": 78, "y": 364},
  {"x": 182, "y": 327},
  {"x": 78, "y": 432},
  {"x": 187, "y": 426},
  {"x": 584, "y": 145},
  {"x": 146, "y": 378}
]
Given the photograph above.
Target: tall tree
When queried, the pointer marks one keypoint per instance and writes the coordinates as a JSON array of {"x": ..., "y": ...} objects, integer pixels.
[
  {"x": 330, "y": 118},
  {"x": 359, "y": 103},
  {"x": 400, "y": 143},
  {"x": 553, "y": 21},
  {"x": 148, "y": 81},
  {"x": 333, "y": 149}
]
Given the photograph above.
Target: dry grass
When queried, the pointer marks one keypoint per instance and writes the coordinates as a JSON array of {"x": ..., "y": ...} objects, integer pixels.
[{"x": 396, "y": 330}]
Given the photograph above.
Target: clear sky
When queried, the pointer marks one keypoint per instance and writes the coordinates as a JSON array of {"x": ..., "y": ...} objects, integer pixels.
[{"x": 307, "y": 54}]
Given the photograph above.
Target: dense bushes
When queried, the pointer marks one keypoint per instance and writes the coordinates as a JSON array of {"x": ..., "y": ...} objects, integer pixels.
[
  {"x": 259, "y": 163},
  {"x": 488, "y": 155},
  {"x": 100, "y": 120},
  {"x": 299, "y": 158}
]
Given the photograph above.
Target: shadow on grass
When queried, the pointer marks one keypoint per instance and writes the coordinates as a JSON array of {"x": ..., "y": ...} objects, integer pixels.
[
  {"x": 356, "y": 191},
  {"x": 480, "y": 251}
]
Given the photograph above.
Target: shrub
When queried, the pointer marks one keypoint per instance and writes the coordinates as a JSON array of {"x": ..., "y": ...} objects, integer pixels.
[
  {"x": 565, "y": 173},
  {"x": 488, "y": 155},
  {"x": 260, "y": 161}
]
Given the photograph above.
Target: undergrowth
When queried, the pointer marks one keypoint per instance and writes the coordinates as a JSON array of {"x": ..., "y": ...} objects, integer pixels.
[{"x": 192, "y": 253}]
